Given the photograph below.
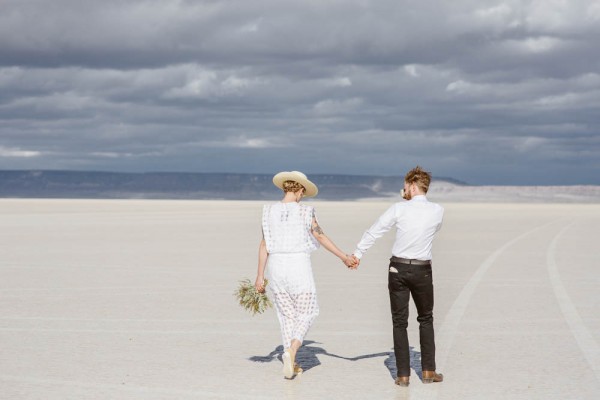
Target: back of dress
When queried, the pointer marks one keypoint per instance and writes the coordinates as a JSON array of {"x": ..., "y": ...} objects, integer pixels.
[{"x": 286, "y": 228}]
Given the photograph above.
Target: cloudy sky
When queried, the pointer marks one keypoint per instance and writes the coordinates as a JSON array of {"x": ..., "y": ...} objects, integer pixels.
[{"x": 488, "y": 92}]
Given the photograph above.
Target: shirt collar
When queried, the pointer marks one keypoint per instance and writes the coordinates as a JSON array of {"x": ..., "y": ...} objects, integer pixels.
[{"x": 419, "y": 197}]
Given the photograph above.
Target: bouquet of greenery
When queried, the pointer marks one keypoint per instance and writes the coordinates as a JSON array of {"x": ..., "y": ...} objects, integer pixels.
[{"x": 251, "y": 299}]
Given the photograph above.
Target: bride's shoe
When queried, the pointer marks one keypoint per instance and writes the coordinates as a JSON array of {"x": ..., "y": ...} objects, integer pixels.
[{"x": 288, "y": 364}]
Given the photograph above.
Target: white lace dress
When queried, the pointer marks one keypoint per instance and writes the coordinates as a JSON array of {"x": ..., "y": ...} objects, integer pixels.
[{"x": 286, "y": 229}]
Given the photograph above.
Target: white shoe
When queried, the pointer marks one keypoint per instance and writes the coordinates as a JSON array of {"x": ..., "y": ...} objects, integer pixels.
[{"x": 288, "y": 365}]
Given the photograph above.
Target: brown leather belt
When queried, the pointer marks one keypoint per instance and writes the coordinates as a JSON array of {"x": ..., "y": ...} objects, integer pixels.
[{"x": 412, "y": 261}]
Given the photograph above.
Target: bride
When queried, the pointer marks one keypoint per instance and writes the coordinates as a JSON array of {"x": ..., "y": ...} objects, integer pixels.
[{"x": 290, "y": 233}]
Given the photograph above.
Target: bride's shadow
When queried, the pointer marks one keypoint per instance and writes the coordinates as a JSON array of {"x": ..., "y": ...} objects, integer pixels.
[{"x": 307, "y": 358}]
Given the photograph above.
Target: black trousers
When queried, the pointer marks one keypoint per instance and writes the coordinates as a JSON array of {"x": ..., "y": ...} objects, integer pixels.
[{"x": 415, "y": 280}]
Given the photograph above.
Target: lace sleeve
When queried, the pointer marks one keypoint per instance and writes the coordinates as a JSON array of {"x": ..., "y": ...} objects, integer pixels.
[
  {"x": 311, "y": 241},
  {"x": 266, "y": 231}
]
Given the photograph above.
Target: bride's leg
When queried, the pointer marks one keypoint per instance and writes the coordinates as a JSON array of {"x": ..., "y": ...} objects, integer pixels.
[
  {"x": 294, "y": 349},
  {"x": 286, "y": 315},
  {"x": 307, "y": 309}
]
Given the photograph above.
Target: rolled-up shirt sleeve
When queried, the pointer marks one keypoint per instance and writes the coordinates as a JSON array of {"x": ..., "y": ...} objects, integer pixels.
[{"x": 383, "y": 224}]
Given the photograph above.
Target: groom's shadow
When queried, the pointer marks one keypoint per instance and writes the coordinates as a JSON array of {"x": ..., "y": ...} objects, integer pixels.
[
  {"x": 307, "y": 358},
  {"x": 390, "y": 362}
]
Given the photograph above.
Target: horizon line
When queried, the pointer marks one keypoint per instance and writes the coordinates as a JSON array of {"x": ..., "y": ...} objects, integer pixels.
[{"x": 442, "y": 178}]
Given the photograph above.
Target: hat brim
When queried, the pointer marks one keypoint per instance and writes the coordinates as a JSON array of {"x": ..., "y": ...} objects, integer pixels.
[{"x": 311, "y": 188}]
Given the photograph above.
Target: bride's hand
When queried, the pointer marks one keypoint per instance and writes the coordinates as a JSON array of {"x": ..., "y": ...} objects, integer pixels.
[
  {"x": 351, "y": 261},
  {"x": 260, "y": 284}
]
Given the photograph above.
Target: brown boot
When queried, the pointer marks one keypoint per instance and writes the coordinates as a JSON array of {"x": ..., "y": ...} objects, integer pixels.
[
  {"x": 403, "y": 380},
  {"x": 432, "y": 376}
]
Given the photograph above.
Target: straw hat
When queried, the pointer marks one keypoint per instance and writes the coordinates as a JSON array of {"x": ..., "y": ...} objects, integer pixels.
[{"x": 311, "y": 188}]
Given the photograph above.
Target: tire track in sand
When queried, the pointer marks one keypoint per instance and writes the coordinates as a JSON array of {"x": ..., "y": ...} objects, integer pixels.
[
  {"x": 446, "y": 334},
  {"x": 586, "y": 342}
]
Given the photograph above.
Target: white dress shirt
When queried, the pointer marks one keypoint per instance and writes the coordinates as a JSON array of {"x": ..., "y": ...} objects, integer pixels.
[{"x": 416, "y": 221}]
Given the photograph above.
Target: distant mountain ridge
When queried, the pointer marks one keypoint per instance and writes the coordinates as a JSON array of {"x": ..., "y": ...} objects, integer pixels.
[
  {"x": 228, "y": 186},
  {"x": 182, "y": 185}
]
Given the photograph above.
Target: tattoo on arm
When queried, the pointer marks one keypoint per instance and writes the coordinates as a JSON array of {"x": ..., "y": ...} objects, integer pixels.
[{"x": 317, "y": 229}]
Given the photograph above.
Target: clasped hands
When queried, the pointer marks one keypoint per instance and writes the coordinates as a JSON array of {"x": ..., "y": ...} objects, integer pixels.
[{"x": 351, "y": 261}]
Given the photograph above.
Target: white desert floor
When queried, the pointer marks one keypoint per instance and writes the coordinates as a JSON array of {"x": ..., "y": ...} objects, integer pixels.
[{"x": 133, "y": 300}]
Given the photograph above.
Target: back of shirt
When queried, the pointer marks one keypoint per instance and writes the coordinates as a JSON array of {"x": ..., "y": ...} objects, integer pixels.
[
  {"x": 416, "y": 222},
  {"x": 286, "y": 228}
]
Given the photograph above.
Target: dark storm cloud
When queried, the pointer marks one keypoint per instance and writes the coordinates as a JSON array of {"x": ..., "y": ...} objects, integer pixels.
[{"x": 487, "y": 92}]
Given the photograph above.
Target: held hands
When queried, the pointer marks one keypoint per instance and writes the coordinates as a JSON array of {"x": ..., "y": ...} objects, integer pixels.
[{"x": 352, "y": 262}]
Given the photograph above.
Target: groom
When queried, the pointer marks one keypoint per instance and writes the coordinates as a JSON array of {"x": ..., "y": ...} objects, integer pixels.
[{"x": 416, "y": 221}]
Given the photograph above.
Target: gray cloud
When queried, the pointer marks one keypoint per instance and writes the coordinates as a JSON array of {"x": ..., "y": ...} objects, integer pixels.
[{"x": 484, "y": 91}]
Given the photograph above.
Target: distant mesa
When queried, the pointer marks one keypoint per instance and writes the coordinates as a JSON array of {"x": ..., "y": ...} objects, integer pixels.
[
  {"x": 177, "y": 185},
  {"x": 226, "y": 186}
]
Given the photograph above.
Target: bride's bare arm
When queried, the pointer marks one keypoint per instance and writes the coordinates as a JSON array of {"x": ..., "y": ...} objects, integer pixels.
[
  {"x": 318, "y": 233},
  {"x": 262, "y": 262}
]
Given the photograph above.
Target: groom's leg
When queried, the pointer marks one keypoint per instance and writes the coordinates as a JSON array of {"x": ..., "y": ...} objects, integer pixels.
[
  {"x": 399, "y": 297},
  {"x": 422, "y": 294}
]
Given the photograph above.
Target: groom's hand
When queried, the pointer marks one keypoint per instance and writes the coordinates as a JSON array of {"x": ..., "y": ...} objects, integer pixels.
[
  {"x": 349, "y": 262},
  {"x": 356, "y": 261},
  {"x": 352, "y": 262}
]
